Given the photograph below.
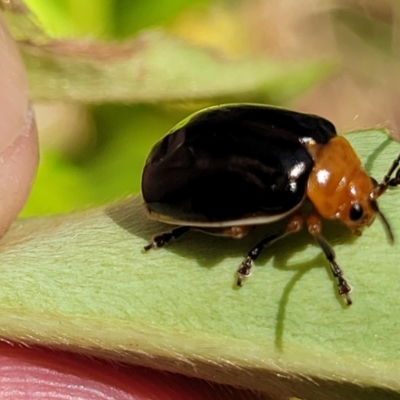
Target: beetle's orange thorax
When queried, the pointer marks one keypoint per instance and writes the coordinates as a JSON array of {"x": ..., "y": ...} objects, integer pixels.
[{"x": 337, "y": 181}]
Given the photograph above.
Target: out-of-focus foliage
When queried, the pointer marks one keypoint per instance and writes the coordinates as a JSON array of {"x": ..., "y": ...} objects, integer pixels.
[
  {"x": 158, "y": 68},
  {"x": 107, "y": 18}
]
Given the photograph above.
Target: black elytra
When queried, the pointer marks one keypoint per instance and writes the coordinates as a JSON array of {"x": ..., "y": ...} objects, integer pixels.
[{"x": 231, "y": 162}]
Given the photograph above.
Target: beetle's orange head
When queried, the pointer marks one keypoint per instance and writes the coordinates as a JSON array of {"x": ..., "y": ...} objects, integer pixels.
[{"x": 339, "y": 188}]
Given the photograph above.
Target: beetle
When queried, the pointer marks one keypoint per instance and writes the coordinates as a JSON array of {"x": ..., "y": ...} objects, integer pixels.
[{"x": 230, "y": 167}]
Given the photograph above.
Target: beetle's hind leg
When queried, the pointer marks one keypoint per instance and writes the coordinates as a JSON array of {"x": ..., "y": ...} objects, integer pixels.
[
  {"x": 294, "y": 225},
  {"x": 314, "y": 227},
  {"x": 163, "y": 238}
]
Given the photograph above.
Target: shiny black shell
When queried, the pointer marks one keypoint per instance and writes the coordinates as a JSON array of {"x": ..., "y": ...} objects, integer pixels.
[{"x": 232, "y": 163}]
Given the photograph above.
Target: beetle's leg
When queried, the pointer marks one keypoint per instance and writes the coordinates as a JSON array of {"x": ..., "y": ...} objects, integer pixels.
[
  {"x": 314, "y": 227},
  {"x": 294, "y": 225},
  {"x": 160, "y": 240}
]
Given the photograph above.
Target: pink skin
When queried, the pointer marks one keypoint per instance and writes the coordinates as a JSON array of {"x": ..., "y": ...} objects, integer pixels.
[
  {"x": 41, "y": 374},
  {"x": 27, "y": 373},
  {"x": 18, "y": 139}
]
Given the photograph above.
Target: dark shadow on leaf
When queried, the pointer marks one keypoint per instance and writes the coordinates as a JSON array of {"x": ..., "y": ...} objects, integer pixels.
[
  {"x": 130, "y": 215},
  {"x": 375, "y": 154}
]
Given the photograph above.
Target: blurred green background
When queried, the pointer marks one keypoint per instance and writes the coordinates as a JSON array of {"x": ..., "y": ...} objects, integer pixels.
[{"x": 92, "y": 152}]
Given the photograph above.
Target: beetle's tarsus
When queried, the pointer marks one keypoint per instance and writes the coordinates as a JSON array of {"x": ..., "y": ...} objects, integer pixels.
[
  {"x": 344, "y": 289},
  {"x": 244, "y": 270},
  {"x": 158, "y": 241},
  {"x": 163, "y": 238},
  {"x": 349, "y": 302},
  {"x": 149, "y": 246}
]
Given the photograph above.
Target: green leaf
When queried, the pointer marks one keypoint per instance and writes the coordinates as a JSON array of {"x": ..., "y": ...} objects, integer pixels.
[
  {"x": 153, "y": 67},
  {"x": 156, "y": 67},
  {"x": 82, "y": 282}
]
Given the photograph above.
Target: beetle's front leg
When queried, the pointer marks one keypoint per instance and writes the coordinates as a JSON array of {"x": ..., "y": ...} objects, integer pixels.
[{"x": 294, "y": 225}]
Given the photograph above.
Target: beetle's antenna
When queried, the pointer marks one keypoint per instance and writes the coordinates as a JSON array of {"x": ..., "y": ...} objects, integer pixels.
[
  {"x": 385, "y": 222},
  {"x": 388, "y": 180}
]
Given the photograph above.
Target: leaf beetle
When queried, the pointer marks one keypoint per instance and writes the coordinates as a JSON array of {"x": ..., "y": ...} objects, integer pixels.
[{"x": 227, "y": 168}]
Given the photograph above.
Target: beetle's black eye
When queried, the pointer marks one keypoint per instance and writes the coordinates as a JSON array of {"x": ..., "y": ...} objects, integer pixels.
[{"x": 356, "y": 212}]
